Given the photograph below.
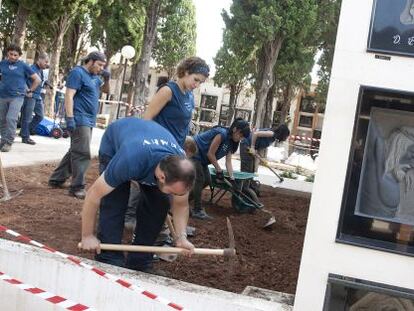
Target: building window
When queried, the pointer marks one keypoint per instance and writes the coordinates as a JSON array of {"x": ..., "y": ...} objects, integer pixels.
[
  {"x": 376, "y": 210},
  {"x": 224, "y": 111},
  {"x": 345, "y": 293},
  {"x": 243, "y": 113},
  {"x": 209, "y": 101},
  {"x": 305, "y": 121},
  {"x": 308, "y": 104},
  {"x": 207, "y": 116}
]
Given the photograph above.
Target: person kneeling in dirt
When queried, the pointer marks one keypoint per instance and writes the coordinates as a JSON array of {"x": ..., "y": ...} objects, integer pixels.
[
  {"x": 153, "y": 158},
  {"x": 212, "y": 145},
  {"x": 257, "y": 142}
]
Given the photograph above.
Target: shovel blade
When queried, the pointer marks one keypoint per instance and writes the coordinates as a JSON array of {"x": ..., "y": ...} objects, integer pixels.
[{"x": 270, "y": 222}]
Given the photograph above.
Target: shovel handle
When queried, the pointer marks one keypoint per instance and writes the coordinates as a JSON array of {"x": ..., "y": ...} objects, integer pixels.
[{"x": 165, "y": 250}]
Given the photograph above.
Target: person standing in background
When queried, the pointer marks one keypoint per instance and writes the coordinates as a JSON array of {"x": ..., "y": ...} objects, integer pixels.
[
  {"x": 81, "y": 104},
  {"x": 34, "y": 103},
  {"x": 13, "y": 89}
]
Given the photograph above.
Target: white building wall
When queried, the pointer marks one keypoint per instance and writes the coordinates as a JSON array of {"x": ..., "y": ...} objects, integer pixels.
[{"x": 352, "y": 67}]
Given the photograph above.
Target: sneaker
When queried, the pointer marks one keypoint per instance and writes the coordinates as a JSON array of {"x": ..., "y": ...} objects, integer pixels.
[
  {"x": 28, "y": 141},
  {"x": 6, "y": 147},
  {"x": 201, "y": 214},
  {"x": 56, "y": 183},
  {"x": 79, "y": 194}
]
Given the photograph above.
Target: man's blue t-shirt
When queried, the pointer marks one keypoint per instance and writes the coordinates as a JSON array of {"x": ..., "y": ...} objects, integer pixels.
[
  {"x": 37, "y": 70},
  {"x": 86, "y": 99},
  {"x": 261, "y": 142},
  {"x": 176, "y": 114},
  {"x": 13, "y": 78},
  {"x": 205, "y": 139},
  {"x": 135, "y": 147}
]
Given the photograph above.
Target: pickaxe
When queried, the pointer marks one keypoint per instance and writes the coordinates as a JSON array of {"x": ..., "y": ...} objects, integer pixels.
[{"x": 227, "y": 252}]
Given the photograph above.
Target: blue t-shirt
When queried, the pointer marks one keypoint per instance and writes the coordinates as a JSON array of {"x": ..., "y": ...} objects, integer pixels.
[
  {"x": 135, "y": 147},
  {"x": 36, "y": 93},
  {"x": 205, "y": 139},
  {"x": 86, "y": 99},
  {"x": 13, "y": 78},
  {"x": 176, "y": 114},
  {"x": 261, "y": 142}
]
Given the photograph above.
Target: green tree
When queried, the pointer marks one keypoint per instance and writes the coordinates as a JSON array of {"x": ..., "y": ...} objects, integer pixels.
[
  {"x": 176, "y": 35},
  {"x": 232, "y": 71},
  {"x": 327, "y": 46},
  {"x": 261, "y": 27}
]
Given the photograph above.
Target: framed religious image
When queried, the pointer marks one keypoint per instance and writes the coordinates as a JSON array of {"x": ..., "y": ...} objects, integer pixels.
[
  {"x": 386, "y": 186},
  {"x": 392, "y": 27}
]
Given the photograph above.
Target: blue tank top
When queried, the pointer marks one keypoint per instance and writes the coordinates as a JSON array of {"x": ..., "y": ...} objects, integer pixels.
[
  {"x": 261, "y": 142},
  {"x": 204, "y": 140},
  {"x": 176, "y": 114}
]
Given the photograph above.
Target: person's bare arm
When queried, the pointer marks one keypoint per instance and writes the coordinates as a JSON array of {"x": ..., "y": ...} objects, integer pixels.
[
  {"x": 70, "y": 93},
  {"x": 229, "y": 165},
  {"x": 211, "y": 154},
  {"x": 180, "y": 211},
  {"x": 96, "y": 192},
  {"x": 35, "y": 82},
  {"x": 158, "y": 101}
]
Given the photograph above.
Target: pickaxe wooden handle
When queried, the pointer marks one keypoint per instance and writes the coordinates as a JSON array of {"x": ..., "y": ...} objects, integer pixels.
[{"x": 167, "y": 250}]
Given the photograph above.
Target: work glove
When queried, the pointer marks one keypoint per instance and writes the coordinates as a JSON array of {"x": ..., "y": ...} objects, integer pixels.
[
  {"x": 220, "y": 176},
  {"x": 251, "y": 151},
  {"x": 70, "y": 124}
]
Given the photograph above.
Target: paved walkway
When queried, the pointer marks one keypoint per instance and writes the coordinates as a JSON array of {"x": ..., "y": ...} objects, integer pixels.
[{"x": 49, "y": 149}]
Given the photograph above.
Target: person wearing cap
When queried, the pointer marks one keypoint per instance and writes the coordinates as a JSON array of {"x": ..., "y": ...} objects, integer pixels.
[
  {"x": 81, "y": 104},
  {"x": 13, "y": 89},
  {"x": 33, "y": 103},
  {"x": 213, "y": 145}
]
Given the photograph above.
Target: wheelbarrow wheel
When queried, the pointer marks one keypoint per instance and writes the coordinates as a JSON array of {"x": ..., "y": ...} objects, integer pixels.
[{"x": 56, "y": 133}]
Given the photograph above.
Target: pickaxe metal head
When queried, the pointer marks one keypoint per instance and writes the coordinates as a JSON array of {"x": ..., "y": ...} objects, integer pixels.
[{"x": 231, "y": 250}]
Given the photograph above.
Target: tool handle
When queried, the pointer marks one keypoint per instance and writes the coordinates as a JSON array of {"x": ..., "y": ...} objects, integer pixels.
[{"x": 164, "y": 250}]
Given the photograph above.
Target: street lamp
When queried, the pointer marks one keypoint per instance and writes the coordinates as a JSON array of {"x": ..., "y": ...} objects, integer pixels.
[{"x": 127, "y": 53}]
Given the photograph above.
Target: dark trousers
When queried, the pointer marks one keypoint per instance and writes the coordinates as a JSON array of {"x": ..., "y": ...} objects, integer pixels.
[
  {"x": 76, "y": 161},
  {"x": 152, "y": 209},
  {"x": 202, "y": 180}
]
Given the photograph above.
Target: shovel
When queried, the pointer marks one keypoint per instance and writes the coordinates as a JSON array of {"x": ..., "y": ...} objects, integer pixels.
[
  {"x": 266, "y": 164},
  {"x": 272, "y": 218}
]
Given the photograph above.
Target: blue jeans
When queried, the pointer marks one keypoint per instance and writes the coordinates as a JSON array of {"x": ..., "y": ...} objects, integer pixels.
[
  {"x": 27, "y": 114},
  {"x": 38, "y": 114},
  {"x": 9, "y": 112}
]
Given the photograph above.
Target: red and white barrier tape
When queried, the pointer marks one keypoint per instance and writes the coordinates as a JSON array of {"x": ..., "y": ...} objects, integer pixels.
[
  {"x": 100, "y": 272},
  {"x": 294, "y": 137},
  {"x": 42, "y": 294}
]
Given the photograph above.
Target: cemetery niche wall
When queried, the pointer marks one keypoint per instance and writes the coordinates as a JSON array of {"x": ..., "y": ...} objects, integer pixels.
[{"x": 378, "y": 203}]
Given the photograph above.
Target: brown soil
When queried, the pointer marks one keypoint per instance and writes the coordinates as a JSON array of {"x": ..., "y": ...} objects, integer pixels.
[{"x": 266, "y": 258}]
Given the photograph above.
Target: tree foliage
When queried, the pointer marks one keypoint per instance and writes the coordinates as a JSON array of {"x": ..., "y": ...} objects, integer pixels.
[{"x": 176, "y": 35}]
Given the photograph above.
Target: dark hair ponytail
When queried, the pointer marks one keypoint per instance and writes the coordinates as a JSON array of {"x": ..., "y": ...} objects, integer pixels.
[
  {"x": 243, "y": 126},
  {"x": 281, "y": 133}
]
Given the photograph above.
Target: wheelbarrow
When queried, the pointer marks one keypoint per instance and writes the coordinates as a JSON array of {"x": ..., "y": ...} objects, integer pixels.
[{"x": 241, "y": 202}]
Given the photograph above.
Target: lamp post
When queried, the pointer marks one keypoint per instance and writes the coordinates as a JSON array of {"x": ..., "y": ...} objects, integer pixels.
[{"x": 127, "y": 53}]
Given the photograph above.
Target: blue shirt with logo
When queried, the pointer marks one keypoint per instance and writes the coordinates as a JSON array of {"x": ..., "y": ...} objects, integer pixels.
[
  {"x": 135, "y": 147},
  {"x": 37, "y": 70},
  {"x": 86, "y": 99},
  {"x": 176, "y": 114},
  {"x": 205, "y": 139},
  {"x": 261, "y": 142},
  {"x": 13, "y": 78}
]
